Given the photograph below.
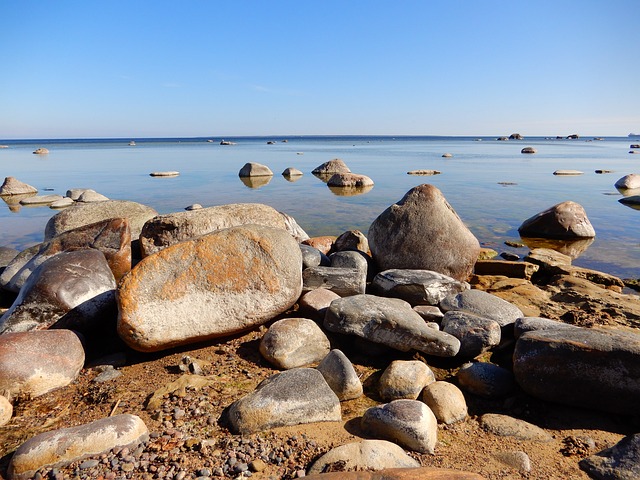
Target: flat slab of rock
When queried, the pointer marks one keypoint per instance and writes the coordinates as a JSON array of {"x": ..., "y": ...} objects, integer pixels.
[
  {"x": 511, "y": 269},
  {"x": 164, "y": 230},
  {"x": 422, "y": 231},
  {"x": 342, "y": 281},
  {"x": 409, "y": 423},
  {"x": 168, "y": 173},
  {"x": 86, "y": 213},
  {"x": 422, "y": 473},
  {"x": 389, "y": 321},
  {"x": 365, "y": 455},
  {"x": 13, "y": 186},
  {"x": 564, "y": 220},
  {"x": 568, "y": 172},
  {"x": 294, "y": 342},
  {"x": 483, "y": 304},
  {"x": 74, "y": 290},
  {"x": 62, "y": 447},
  {"x": 293, "y": 397},
  {"x": 620, "y": 462},
  {"x": 218, "y": 284},
  {"x": 34, "y": 363},
  {"x": 418, "y": 287},
  {"x": 584, "y": 367},
  {"x": 506, "y": 426},
  {"x": 41, "y": 200}
]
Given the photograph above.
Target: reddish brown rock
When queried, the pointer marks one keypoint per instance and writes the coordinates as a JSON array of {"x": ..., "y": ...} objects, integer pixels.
[{"x": 324, "y": 244}]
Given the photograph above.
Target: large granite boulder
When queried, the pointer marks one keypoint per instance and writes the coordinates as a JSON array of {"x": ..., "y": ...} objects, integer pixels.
[
  {"x": 292, "y": 397},
  {"x": 13, "y": 186},
  {"x": 253, "y": 169},
  {"x": 422, "y": 231},
  {"x": 564, "y": 220},
  {"x": 34, "y": 363},
  {"x": 164, "y": 230},
  {"x": 583, "y": 367},
  {"x": 389, "y": 321},
  {"x": 111, "y": 237},
  {"x": 418, "y": 287},
  {"x": 74, "y": 290},
  {"x": 218, "y": 284},
  {"x": 629, "y": 182},
  {"x": 58, "y": 448},
  {"x": 332, "y": 166},
  {"x": 86, "y": 213}
]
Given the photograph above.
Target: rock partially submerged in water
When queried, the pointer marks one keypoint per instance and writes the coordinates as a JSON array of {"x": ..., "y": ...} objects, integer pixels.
[
  {"x": 253, "y": 169},
  {"x": 332, "y": 166},
  {"x": 629, "y": 182},
  {"x": 528, "y": 150},
  {"x": 13, "y": 186},
  {"x": 422, "y": 231},
  {"x": 349, "y": 180},
  {"x": 41, "y": 151},
  {"x": 564, "y": 220}
]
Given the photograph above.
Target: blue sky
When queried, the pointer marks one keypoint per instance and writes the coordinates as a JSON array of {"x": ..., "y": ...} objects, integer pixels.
[{"x": 211, "y": 68}]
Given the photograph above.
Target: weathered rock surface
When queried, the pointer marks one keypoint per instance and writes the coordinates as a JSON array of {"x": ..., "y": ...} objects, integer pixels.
[
  {"x": 343, "y": 281},
  {"x": 628, "y": 182},
  {"x": 64, "y": 202},
  {"x": 111, "y": 237},
  {"x": 6, "y": 255},
  {"x": 568, "y": 172},
  {"x": 340, "y": 375},
  {"x": 483, "y": 304},
  {"x": 389, "y": 321},
  {"x": 349, "y": 180},
  {"x": 224, "y": 282},
  {"x": 486, "y": 380},
  {"x": 294, "y": 342},
  {"x": 620, "y": 462},
  {"x": 512, "y": 269},
  {"x": 6, "y": 410},
  {"x": 324, "y": 243},
  {"x": 476, "y": 334},
  {"x": 446, "y": 401},
  {"x": 564, "y": 220},
  {"x": 529, "y": 324},
  {"x": 315, "y": 302},
  {"x": 409, "y": 423},
  {"x": 86, "y": 213},
  {"x": 165, "y": 230},
  {"x": 34, "y": 363},
  {"x": 332, "y": 166},
  {"x": 404, "y": 379},
  {"x": 506, "y": 426},
  {"x": 13, "y": 186},
  {"x": 591, "y": 368},
  {"x": 292, "y": 397},
  {"x": 74, "y": 290},
  {"x": 90, "y": 196},
  {"x": 291, "y": 172},
  {"x": 365, "y": 455},
  {"x": 57, "y": 448},
  {"x": 422, "y": 231},
  {"x": 418, "y": 287},
  {"x": 351, "y": 240},
  {"x": 422, "y": 473},
  {"x": 41, "y": 200},
  {"x": 312, "y": 257},
  {"x": 253, "y": 169}
]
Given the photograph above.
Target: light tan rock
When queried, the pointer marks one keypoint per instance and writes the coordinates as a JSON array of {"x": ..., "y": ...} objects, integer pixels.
[
  {"x": 6, "y": 410},
  {"x": 13, "y": 186}
]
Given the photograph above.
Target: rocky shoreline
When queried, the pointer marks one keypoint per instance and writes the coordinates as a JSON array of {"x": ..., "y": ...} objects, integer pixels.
[{"x": 223, "y": 342}]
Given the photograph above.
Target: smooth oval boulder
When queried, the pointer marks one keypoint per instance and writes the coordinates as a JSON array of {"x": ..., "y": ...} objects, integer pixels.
[
  {"x": 506, "y": 426},
  {"x": 483, "y": 304},
  {"x": 37, "y": 362},
  {"x": 90, "y": 196},
  {"x": 365, "y": 455},
  {"x": 292, "y": 397},
  {"x": 86, "y": 213},
  {"x": 340, "y": 375},
  {"x": 476, "y": 334},
  {"x": 312, "y": 257},
  {"x": 165, "y": 230},
  {"x": 404, "y": 379},
  {"x": 58, "y": 448},
  {"x": 422, "y": 231},
  {"x": 583, "y": 367},
  {"x": 6, "y": 410},
  {"x": 446, "y": 401},
  {"x": 418, "y": 287},
  {"x": 13, "y": 186},
  {"x": 409, "y": 423},
  {"x": 349, "y": 180},
  {"x": 389, "y": 321},
  {"x": 629, "y": 182},
  {"x": 294, "y": 342},
  {"x": 564, "y": 220},
  {"x": 218, "y": 284},
  {"x": 252, "y": 169},
  {"x": 111, "y": 237},
  {"x": 332, "y": 166},
  {"x": 74, "y": 290},
  {"x": 486, "y": 380}
]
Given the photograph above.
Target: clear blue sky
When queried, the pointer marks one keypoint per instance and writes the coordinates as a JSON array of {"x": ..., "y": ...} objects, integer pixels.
[{"x": 210, "y": 68}]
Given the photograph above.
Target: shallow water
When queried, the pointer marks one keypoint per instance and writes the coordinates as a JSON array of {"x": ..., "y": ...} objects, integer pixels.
[{"x": 491, "y": 185}]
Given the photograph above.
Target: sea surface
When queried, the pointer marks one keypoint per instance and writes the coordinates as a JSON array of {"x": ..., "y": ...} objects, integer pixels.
[{"x": 491, "y": 185}]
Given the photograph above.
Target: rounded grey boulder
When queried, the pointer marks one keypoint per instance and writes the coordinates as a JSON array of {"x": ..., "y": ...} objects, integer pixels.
[{"x": 564, "y": 220}]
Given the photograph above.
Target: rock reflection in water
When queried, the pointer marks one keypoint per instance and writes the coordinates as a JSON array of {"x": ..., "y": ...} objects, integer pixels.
[
  {"x": 572, "y": 248},
  {"x": 323, "y": 176},
  {"x": 13, "y": 201},
  {"x": 629, "y": 192},
  {"x": 350, "y": 191},
  {"x": 631, "y": 202},
  {"x": 256, "y": 182}
]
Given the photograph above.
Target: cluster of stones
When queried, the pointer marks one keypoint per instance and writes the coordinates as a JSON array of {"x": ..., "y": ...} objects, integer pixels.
[
  {"x": 213, "y": 272},
  {"x": 18, "y": 192}
]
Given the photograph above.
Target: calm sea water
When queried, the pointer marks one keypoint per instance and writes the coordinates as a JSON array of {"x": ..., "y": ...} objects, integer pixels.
[{"x": 491, "y": 185}]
